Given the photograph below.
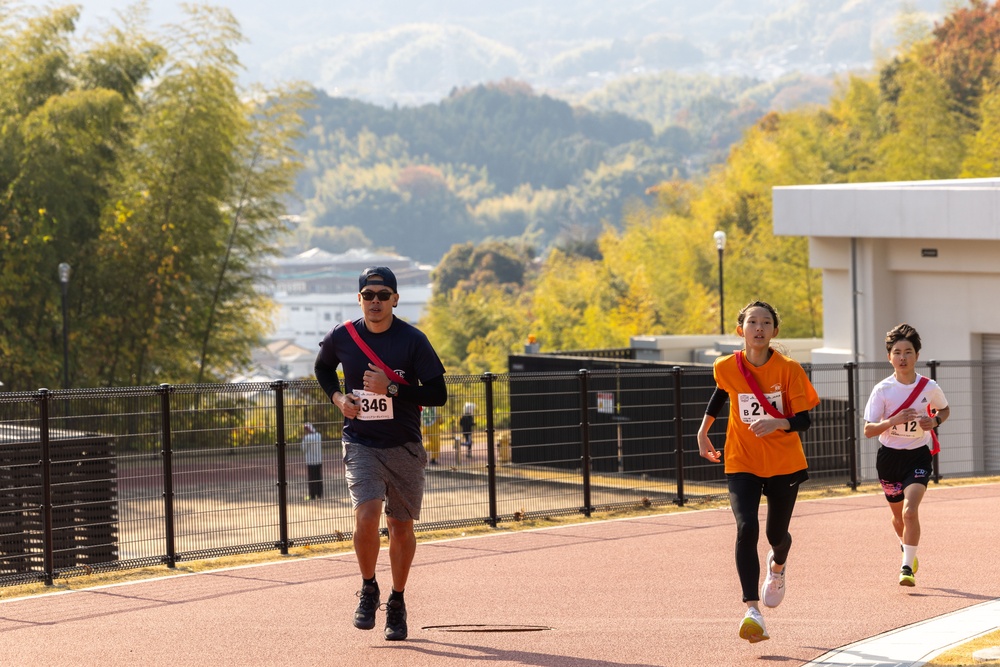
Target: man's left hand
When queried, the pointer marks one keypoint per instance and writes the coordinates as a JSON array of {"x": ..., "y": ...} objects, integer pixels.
[{"x": 376, "y": 381}]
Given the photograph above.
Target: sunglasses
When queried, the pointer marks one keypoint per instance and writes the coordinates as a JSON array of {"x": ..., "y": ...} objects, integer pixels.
[{"x": 383, "y": 296}]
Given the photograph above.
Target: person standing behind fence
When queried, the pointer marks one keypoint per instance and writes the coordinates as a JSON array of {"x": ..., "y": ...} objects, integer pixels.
[
  {"x": 467, "y": 422},
  {"x": 902, "y": 411},
  {"x": 390, "y": 370},
  {"x": 770, "y": 397},
  {"x": 312, "y": 448}
]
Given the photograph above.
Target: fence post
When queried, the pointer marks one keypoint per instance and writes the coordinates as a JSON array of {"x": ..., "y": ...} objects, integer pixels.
[
  {"x": 852, "y": 425},
  {"x": 584, "y": 375},
  {"x": 279, "y": 419},
  {"x": 48, "y": 561},
  {"x": 491, "y": 455},
  {"x": 166, "y": 453},
  {"x": 933, "y": 365},
  {"x": 678, "y": 435}
]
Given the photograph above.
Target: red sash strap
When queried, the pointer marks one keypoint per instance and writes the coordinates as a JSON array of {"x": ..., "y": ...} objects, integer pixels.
[
  {"x": 936, "y": 447},
  {"x": 921, "y": 383},
  {"x": 755, "y": 388},
  {"x": 370, "y": 353}
]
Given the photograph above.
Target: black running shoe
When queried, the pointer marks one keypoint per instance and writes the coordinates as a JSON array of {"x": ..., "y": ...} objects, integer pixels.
[
  {"x": 395, "y": 620},
  {"x": 364, "y": 615}
]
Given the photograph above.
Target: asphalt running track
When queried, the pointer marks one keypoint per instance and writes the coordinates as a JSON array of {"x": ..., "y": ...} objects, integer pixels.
[{"x": 652, "y": 591}]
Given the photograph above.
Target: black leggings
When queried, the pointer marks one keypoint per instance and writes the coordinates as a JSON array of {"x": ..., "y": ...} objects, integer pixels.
[{"x": 745, "y": 491}]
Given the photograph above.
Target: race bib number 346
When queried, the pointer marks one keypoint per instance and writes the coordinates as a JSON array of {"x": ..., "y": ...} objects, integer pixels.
[{"x": 374, "y": 407}]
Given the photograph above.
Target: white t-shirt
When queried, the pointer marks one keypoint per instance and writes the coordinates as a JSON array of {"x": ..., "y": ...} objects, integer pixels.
[
  {"x": 312, "y": 447},
  {"x": 888, "y": 395}
]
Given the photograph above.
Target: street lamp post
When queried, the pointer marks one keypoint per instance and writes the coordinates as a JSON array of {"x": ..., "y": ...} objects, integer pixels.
[
  {"x": 720, "y": 244},
  {"x": 64, "y": 270}
]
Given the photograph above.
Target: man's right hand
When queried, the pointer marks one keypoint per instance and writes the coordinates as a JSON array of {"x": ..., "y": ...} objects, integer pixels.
[{"x": 348, "y": 404}]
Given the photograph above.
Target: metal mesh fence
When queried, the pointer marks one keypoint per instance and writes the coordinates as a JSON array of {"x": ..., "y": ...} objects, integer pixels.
[{"x": 119, "y": 478}]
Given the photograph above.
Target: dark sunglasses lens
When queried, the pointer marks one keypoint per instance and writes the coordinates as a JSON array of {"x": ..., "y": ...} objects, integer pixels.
[{"x": 382, "y": 296}]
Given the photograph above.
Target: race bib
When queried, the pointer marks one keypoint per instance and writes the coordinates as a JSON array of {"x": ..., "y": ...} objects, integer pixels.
[
  {"x": 373, "y": 407},
  {"x": 909, "y": 430},
  {"x": 751, "y": 410}
]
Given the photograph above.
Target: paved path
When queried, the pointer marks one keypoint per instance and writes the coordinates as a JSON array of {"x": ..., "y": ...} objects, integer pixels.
[
  {"x": 653, "y": 591},
  {"x": 916, "y": 644}
]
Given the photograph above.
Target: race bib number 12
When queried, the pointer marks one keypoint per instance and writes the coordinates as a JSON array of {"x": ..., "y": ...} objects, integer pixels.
[{"x": 909, "y": 430}]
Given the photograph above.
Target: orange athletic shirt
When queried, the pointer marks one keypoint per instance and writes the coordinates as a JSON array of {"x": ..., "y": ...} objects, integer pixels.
[{"x": 785, "y": 384}]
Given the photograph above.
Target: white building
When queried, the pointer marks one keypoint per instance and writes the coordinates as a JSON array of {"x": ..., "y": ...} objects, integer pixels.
[
  {"x": 315, "y": 290},
  {"x": 279, "y": 360},
  {"x": 319, "y": 271},
  {"x": 306, "y": 318},
  {"x": 922, "y": 252}
]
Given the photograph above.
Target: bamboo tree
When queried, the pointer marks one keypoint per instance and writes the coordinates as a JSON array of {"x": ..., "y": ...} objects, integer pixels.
[
  {"x": 142, "y": 163},
  {"x": 59, "y": 142},
  {"x": 927, "y": 143},
  {"x": 983, "y": 157}
]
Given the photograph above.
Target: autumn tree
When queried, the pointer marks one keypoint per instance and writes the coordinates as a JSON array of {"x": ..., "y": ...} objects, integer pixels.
[
  {"x": 963, "y": 53},
  {"x": 475, "y": 330},
  {"x": 467, "y": 265},
  {"x": 479, "y": 313}
]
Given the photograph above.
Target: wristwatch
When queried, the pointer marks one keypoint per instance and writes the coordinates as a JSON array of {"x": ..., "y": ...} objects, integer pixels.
[
  {"x": 392, "y": 389},
  {"x": 937, "y": 419}
]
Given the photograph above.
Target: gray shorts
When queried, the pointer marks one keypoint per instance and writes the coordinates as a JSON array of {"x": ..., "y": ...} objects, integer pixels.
[{"x": 393, "y": 474}]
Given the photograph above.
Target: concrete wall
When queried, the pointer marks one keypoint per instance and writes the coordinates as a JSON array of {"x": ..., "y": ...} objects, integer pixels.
[{"x": 705, "y": 349}]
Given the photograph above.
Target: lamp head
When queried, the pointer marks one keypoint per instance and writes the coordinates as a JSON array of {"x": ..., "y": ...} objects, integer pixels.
[
  {"x": 64, "y": 272},
  {"x": 720, "y": 239}
]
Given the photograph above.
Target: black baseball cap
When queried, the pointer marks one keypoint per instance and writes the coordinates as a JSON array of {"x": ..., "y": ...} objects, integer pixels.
[{"x": 380, "y": 276}]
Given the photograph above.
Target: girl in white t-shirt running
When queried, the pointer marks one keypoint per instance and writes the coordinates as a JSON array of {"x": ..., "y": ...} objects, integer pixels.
[{"x": 904, "y": 458}]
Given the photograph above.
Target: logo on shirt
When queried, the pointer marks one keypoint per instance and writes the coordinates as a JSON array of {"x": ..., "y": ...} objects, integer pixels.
[{"x": 776, "y": 386}]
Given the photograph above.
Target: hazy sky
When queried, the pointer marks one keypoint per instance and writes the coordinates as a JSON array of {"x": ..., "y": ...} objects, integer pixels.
[
  {"x": 358, "y": 47},
  {"x": 266, "y": 38}
]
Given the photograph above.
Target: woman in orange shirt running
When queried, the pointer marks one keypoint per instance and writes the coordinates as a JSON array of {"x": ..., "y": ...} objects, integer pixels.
[{"x": 769, "y": 402}]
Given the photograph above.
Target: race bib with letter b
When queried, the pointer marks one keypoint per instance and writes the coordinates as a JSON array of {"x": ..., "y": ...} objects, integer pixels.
[{"x": 751, "y": 410}]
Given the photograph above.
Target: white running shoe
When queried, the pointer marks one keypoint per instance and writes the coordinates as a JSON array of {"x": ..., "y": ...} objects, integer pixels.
[
  {"x": 752, "y": 627},
  {"x": 772, "y": 591}
]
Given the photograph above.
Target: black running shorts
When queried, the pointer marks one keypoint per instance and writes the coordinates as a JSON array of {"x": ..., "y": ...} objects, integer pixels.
[{"x": 898, "y": 468}]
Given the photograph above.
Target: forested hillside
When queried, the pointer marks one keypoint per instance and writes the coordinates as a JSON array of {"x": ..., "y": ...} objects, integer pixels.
[{"x": 501, "y": 161}]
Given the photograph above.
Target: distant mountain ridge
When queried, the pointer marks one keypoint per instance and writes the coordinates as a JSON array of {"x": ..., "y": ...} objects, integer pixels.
[
  {"x": 416, "y": 53},
  {"x": 413, "y": 52}
]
